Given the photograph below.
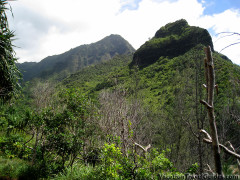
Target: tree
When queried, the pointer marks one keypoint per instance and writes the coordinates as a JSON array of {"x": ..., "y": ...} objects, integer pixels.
[
  {"x": 213, "y": 139},
  {"x": 9, "y": 73},
  {"x": 62, "y": 131},
  {"x": 210, "y": 85}
]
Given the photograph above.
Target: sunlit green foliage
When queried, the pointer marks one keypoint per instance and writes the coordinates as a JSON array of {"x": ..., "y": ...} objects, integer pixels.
[
  {"x": 93, "y": 78},
  {"x": 114, "y": 165},
  {"x": 53, "y": 137}
]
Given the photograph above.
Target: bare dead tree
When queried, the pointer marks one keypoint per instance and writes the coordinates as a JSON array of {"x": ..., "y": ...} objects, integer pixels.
[
  {"x": 42, "y": 94},
  {"x": 210, "y": 86},
  {"x": 213, "y": 138},
  {"x": 117, "y": 118},
  {"x": 123, "y": 118}
]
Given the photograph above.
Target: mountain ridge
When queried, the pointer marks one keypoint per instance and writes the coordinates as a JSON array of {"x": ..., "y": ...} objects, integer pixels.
[
  {"x": 77, "y": 58},
  {"x": 171, "y": 40}
]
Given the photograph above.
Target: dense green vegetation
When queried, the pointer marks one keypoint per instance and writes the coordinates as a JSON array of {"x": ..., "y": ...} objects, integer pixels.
[
  {"x": 169, "y": 91},
  {"x": 92, "y": 75},
  {"x": 124, "y": 118}
]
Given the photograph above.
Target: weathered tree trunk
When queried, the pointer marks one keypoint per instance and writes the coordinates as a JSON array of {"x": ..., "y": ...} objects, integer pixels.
[{"x": 210, "y": 78}]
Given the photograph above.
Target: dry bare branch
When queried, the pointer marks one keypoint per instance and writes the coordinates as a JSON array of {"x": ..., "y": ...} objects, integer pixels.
[
  {"x": 209, "y": 169},
  {"x": 224, "y": 148},
  {"x": 233, "y": 149},
  {"x": 206, "y": 104},
  {"x": 228, "y": 34},
  {"x": 229, "y": 46},
  {"x": 144, "y": 149},
  {"x": 206, "y": 134}
]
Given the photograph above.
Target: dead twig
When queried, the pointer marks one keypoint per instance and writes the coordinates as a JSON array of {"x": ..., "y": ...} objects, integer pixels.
[
  {"x": 141, "y": 147},
  {"x": 208, "y": 140},
  {"x": 229, "y": 46},
  {"x": 209, "y": 169}
]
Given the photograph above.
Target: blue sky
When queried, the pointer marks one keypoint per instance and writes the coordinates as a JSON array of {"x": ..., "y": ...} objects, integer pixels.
[
  {"x": 211, "y": 6},
  {"x": 45, "y": 27},
  {"x": 219, "y": 6},
  {"x": 130, "y": 5}
]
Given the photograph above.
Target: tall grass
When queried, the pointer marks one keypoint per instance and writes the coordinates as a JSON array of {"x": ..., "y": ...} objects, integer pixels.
[
  {"x": 77, "y": 172},
  {"x": 16, "y": 169}
]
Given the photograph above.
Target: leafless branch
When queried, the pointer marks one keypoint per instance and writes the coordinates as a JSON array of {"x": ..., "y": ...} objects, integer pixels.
[
  {"x": 206, "y": 104},
  {"x": 230, "y": 45},
  {"x": 208, "y": 137},
  {"x": 231, "y": 146},
  {"x": 228, "y": 34},
  {"x": 233, "y": 149},
  {"x": 225, "y": 149},
  {"x": 232, "y": 33},
  {"x": 144, "y": 149},
  {"x": 209, "y": 169}
]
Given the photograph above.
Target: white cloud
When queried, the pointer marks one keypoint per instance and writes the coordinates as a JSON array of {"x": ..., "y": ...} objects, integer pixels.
[
  {"x": 227, "y": 21},
  {"x": 48, "y": 27},
  {"x": 137, "y": 26}
]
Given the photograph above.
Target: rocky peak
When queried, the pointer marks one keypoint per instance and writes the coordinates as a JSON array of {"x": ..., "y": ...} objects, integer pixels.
[{"x": 171, "y": 40}]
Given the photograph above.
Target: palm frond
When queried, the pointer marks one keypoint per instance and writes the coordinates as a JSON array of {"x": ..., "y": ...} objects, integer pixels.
[{"x": 9, "y": 72}]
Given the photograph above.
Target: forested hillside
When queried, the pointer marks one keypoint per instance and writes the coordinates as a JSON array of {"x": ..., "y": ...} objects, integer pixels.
[
  {"x": 75, "y": 59},
  {"x": 130, "y": 116},
  {"x": 169, "y": 91}
]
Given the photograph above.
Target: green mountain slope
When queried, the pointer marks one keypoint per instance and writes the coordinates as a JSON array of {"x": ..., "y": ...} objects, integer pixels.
[
  {"x": 96, "y": 77},
  {"x": 77, "y": 58},
  {"x": 166, "y": 76}
]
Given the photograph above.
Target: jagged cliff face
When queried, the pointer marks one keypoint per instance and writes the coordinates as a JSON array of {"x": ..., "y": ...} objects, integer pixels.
[{"x": 172, "y": 40}]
